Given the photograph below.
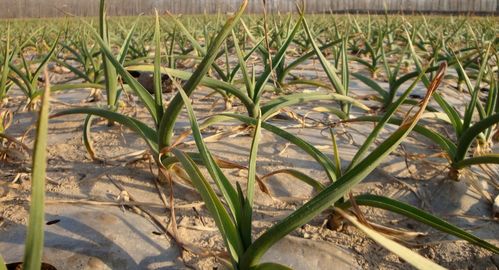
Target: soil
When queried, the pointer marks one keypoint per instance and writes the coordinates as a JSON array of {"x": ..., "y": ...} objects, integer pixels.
[{"x": 414, "y": 174}]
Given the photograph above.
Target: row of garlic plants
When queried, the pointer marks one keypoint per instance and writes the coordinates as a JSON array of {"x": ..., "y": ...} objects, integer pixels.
[{"x": 258, "y": 67}]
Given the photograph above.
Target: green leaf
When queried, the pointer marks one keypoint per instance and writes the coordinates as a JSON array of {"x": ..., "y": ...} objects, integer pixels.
[
  {"x": 247, "y": 218},
  {"x": 335, "y": 111},
  {"x": 223, "y": 184},
  {"x": 451, "y": 112},
  {"x": 45, "y": 59},
  {"x": 148, "y": 134},
  {"x": 469, "y": 135},
  {"x": 408, "y": 255},
  {"x": 482, "y": 159},
  {"x": 328, "y": 68},
  {"x": 222, "y": 219},
  {"x": 126, "y": 42},
  {"x": 421, "y": 216},
  {"x": 315, "y": 83},
  {"x": 270, "y": 266},
  {"x": 322, "y": 159},
  {"x": 336, "y": 153},
  {"x": 81, "y": 74},
  {"x": 242, "y": 63},
  {"x": 278, "y": 103},
  {"x": 29, "y": 81},
  {"x": 87, "y": 140},
  {"x": 111, "y": 79},
  {"x": 372, "y": 84},
  {"x": 300, "y": 176},
  {"x": 5, "y": 66},
  {"x": 65, "y": 87},
  {"x": 493, "y": 97},
  {"x": 34, "y": 239},
  {"x": 445, "y": 143},
  {"x": 24, "y": 83},
  {"x": 143, "y": 94},
  {"x": 158, "y": 89},
  {"x": 2, "y": 264},
  {"x": 363, "y": 62},
  {"x": 345, "y": 75},
  {"x": 257, "y": 46},
  {"x": 474, "y": 91},
  {"x": 390, "y": 111},
  {"x": 305, "y": 57}
]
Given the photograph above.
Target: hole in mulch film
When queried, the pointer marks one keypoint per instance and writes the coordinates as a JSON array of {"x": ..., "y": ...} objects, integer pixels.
[
  {"x": 19, "y": 266},
  {"x": 52, "y": 222}
]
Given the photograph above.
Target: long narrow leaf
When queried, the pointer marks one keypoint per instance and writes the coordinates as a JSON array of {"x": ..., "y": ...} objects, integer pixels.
[
  {"x": 390, "y": 111},
  {"x": 483, "y": 159},
  {"x": 474, "y": 91},
  {"x": 276, "y": 104},
  {"x": 372, "y": 84},
  {"x": 470, "y": 134},
  {"x": 247, "y": 218},
  {"x": 126, "y": 43},
  {"x": 322, "y": 159},
  {"x": 34, "y": 239},
  {"x": 421, "y": 216},
  {"x": 5, "y": 66},
  {"x": 242, "y": 63},
  {"x": 2, "y": 264},
  {"x": 445, "y": 143},
  {"x": 270, "y": 266},
  {"x": 111, "y": 78},
  {"x": 147, "y": 133},
  {"x": 305, "y": 178},
  {"x": 158, "y": 96},
  {"x": 408, "y": 255},
  {"x": 328, "y": 68},
  {"x": 214, "y": 205},
  {"x": 451, "y": 111},
  {"x": 223, "y": 184}
]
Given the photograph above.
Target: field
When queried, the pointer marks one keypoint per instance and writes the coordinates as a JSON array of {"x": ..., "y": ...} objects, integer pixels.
[{"x": 249, "y": 141}]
